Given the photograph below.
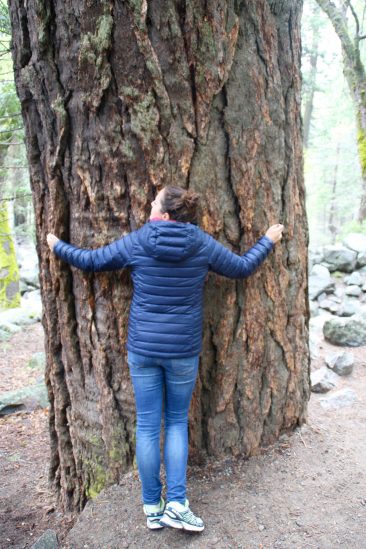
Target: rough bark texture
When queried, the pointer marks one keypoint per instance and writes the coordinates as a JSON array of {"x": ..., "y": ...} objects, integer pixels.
[{"x": 119, "y": 99}]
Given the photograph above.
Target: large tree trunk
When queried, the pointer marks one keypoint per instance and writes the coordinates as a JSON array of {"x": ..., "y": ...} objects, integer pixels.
[{"x": 119, "y": 99}]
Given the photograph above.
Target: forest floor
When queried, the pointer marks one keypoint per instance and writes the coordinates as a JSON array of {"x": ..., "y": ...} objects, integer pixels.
[{"x": 308, "y": 490}]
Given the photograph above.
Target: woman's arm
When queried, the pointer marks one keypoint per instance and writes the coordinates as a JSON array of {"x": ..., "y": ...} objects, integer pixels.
[
  {"x": 107, "y": 258},
  {"x": 227, "y": 263}
]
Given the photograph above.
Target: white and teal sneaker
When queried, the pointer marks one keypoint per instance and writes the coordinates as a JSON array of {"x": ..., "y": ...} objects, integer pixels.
[
  {"x": 154, "y": 513},
  {"x": 180, "y": 516}
]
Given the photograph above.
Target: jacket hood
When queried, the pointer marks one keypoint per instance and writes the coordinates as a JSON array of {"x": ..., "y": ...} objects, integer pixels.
[{"x": 170, "y": 241}]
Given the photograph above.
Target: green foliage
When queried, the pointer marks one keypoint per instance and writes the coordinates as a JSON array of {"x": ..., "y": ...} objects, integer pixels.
[
  {"x": 9, "y": 273},
  {"x": 15, "y": 179}
]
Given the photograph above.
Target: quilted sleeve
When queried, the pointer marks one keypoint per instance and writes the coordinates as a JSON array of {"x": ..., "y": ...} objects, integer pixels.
[
  {"x": 226, "y": 263},
  {"x": 114, "y": 256}
]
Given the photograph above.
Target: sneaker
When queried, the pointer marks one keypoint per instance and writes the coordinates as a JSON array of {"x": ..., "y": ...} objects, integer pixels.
[
  {"x": 180, "y": 516},
  {"x": 154, "y": 513}
]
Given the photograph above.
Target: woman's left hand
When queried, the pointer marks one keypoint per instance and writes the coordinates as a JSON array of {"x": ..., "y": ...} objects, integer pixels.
[{"x": 52, "y": 240}]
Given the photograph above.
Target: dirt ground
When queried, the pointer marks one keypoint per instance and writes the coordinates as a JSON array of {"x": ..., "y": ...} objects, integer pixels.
[{"x": 306, "y": 491}]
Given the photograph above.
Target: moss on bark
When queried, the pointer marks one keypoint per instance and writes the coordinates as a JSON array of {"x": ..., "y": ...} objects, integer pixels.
[{"x": 9, "y": 272}]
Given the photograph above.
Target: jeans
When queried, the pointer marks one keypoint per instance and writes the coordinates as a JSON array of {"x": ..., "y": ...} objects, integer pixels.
[{"x": 154, "y": 379}]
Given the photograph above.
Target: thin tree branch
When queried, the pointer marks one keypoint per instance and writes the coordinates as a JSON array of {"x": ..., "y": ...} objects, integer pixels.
[
  {"x": 15, "y": 197},
  {"x": 12, "y": 129},
  {"x": 12, "y": 143},
  {"x": 355, "y": 18},
  {"x": 11, "y": 115},
  {"x": 340, "y": 26}
]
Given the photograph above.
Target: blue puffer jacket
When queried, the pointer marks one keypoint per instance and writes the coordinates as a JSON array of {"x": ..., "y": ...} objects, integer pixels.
[{"x": 169, "y": 263}]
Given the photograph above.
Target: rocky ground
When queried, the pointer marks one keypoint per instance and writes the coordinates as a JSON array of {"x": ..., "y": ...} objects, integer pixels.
[{"x": 306, "y": 491}]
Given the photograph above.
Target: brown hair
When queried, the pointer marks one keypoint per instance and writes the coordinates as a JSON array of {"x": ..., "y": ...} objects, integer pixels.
[{"x": 180, "y": 204}]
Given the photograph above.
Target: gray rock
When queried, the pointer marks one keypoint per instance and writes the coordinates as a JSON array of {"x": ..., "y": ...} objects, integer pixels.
[
  {"x": 355, "y": 241},
  {"x": 364, "y": 287},
  {"x": 9, "y": 327},
  {"x": 339, "y": 292},
  {"x": 341, "y": 362},
  {"x": 313, "y": 346},
  {"x": 329, "y": 305},
  {"x": 319, "y": 281},
  {"x": 322, "y": 380},
  {"x": 353, "y": 290},
  {"x": 314, "y": 309},
  {"x": 354, "y": 278},
  {"x": 349, "y": 306},
  {"x": 349, "y": 332},
  {"x": 23, "y": 287},
  {"x": 30, "y": 277},
  {"x": 48, "y": 540},
  {"x": 18, "y": 316},
  {"x": 27, "y": 399},
  {"x": 32, "y": 299},
  {"x": 361, "y": 259},
  {"x": 340, "y": 258},
  {"x": 315, "y": 256},
  {"x": 339, "y": 399},
  {"x": 4, "y": 336}
]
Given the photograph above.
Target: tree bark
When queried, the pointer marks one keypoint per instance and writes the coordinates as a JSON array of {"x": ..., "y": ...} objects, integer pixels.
[
  {"x": 118, "y": 100},
  {"x": 332, "y": 223}
]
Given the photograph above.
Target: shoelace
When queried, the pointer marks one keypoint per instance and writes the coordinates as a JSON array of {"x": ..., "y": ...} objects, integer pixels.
[{"x": 190, "y": 517}]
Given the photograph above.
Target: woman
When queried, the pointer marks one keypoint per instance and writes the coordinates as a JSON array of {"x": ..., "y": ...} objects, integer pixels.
[{"x": 169, "y": 258}]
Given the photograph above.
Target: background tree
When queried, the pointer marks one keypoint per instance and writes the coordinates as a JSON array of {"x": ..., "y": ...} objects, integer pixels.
[
  {"x": 354, "y": 71},
  {"x": 332, "y": 136},
  {"x": 9, "y": 120},
  {"x": 119, "y": 99},
  {"x": 310, "y": 53}
]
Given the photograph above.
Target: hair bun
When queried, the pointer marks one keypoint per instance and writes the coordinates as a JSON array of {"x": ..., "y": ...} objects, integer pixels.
[{"x": 181, "y": 204}]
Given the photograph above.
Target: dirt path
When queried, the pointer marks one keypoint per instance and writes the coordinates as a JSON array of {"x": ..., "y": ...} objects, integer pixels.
[{"x": 306, "y": 491}]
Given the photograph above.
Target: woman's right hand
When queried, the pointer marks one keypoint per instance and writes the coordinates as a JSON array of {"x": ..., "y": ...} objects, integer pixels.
[{"x": 275, "y": 232}]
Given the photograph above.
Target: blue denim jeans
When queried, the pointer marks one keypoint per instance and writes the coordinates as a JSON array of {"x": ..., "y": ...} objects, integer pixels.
[{"x": 173, "y": 380}]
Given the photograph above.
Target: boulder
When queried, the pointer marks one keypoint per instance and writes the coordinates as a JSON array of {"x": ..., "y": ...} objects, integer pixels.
[
  {"x": 48, "y": 540},
  {"x": 328, "y": 304},
  {"x": 314, "y": 308},
  {"x": 349, "y": 306},
  {"x": 338, "y": 257},
  {"x": 25, "y": 399},
  {"x": 18, "y": 316},
  {"x": 354, "y": 278},
  {"x": 340, "y": 362},
  {"x": 353, "y": 290},
  {"x": 322, "y": 380},
  {"x": 314, "y": 256},
  {"x": 30, "y": 277},
  {"x": 339, "y": 399},
  {"x": 350, "y": 332},
  {"x": 361, "y": 259},
  {"x": 355, "y": 241},
  {"x": 319, "y": 281}
]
